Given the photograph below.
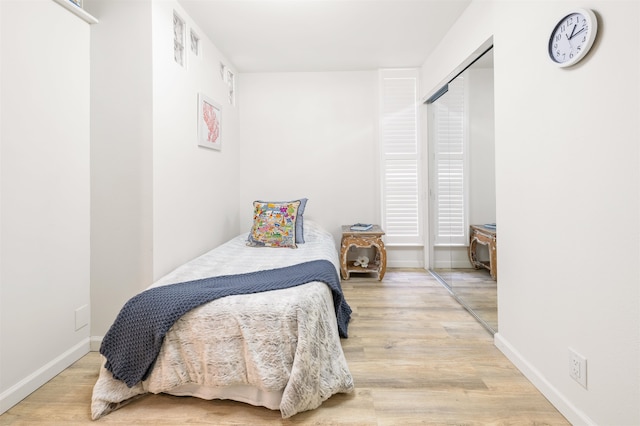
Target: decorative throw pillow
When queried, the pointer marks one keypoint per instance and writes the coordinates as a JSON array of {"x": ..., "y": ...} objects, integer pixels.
[
  {"x": 299, "y": 219},
  {"x": 274, "y": 224}
]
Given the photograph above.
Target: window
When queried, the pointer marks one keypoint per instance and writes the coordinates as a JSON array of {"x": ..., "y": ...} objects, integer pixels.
[
  {"x": 449, "y": 171},
  {"x": 195, "y": 43},
  {"x": 223, "y": 72},
  {"x": 231, "y": 81},
  {"x": 399, "y": 152},
  {"x": 178, "y": 39}
]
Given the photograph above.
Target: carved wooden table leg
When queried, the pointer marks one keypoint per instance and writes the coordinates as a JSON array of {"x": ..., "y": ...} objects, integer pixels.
[
  {"x": 344, "y": 251},
  {"x": 381, "y": 258}
]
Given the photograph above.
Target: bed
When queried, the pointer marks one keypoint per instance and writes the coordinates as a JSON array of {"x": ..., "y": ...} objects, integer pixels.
[{"x": 279, "y": 349}]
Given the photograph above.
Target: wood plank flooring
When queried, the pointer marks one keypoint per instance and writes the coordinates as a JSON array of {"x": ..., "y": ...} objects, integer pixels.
[
  {"x": 477, "y": 291},
  {"x": 416, "y": 355}
]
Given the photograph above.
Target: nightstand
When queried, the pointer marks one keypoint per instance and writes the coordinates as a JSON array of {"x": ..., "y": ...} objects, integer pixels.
[{"x": 371, "y": 239}]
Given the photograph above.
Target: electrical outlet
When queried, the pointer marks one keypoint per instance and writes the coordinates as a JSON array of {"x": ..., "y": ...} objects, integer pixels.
[
  {"x": 578, "y": 367},
  {"x": 82, "y": 316}
]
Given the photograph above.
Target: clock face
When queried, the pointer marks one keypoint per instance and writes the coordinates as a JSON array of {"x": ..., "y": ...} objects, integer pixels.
[{"x": 572, "y": 37}]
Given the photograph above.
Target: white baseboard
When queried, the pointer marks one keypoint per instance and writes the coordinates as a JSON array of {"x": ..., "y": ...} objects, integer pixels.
[
  {"x": 404, "y": 264},
  {"x": 26, "y": 386},
  {"x": 96, "y": 341},
  {"x": 559, "y": 400}
]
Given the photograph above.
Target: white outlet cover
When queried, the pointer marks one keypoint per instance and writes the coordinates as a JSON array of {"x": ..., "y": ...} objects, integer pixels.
[{"x": 578, "y": 368}]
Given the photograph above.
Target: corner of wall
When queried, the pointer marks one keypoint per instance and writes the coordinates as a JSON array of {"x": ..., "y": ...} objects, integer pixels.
[
  {"x": 33, "y": 381},
  {"x": 560, "y": 401}
]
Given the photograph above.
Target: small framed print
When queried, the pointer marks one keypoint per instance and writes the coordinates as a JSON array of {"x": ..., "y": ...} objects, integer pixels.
[
  {"x": 223, "y": 72},
  {"x": 178, "y": 39},
  {"x": 232, "y": 87},
  {"x": 209, "y": 123}
]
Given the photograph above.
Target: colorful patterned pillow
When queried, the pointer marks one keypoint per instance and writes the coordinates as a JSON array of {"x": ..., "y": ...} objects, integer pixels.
[
  {"x": 299, "y": 219},
  {"x": 274, "y": 224}
]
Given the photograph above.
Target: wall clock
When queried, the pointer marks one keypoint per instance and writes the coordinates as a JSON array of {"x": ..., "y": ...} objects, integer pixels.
[{"x": 572, "y": 37}]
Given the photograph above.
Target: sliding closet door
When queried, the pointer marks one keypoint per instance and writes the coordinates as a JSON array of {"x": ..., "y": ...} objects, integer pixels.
[{"x": 462, "y": 184}]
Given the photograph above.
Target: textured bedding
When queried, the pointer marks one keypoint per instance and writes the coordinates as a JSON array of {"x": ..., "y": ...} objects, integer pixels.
[{"x": 279, "y": 349}]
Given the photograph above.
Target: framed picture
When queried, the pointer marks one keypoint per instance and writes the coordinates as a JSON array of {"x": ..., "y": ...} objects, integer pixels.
[
  {"x": 223, "y": 72},
  {"x": 209, "y": 123},
  {"x": 232, "y": 87}
]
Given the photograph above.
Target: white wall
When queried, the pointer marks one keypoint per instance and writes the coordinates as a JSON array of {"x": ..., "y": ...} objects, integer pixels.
[
  {"x": 310, "y": 135},
  {"x": 314, "y": 135},
  {"x": 567, "y": 199},
  {"x": 121, "y": 161},
  {"x": 44, "y": 194},
  {"x": 195, "y": 189},
  {"x": 158, "y": 199}
]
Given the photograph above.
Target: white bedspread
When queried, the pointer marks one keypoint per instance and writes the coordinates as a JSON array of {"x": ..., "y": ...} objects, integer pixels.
[{"x": 279, "y": 349}]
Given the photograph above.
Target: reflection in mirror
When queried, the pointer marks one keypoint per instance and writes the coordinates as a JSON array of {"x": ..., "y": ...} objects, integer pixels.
[{"x": 462, "y": 187}]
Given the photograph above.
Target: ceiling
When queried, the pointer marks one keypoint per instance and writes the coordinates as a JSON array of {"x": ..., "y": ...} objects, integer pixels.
[{"x": 324, "y": 35}]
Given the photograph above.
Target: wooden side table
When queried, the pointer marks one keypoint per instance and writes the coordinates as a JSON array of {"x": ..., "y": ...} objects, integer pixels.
[
  {"x": 480, "y": 235},
  {"x": 363, "y": 239}
]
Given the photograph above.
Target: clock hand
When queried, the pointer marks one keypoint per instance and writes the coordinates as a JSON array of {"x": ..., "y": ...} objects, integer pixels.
[
  {"x": 571, "y": 36},
  {"x": 584, "y": 29}
]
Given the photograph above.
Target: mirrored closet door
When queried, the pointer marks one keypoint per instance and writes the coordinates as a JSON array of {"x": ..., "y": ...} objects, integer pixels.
[{"x": 462, "y": 187}]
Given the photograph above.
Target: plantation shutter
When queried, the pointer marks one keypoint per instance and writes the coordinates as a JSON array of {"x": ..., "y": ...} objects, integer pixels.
[
  {"x": 449, "y": 162},
  {"x": 399, "y": 156}
]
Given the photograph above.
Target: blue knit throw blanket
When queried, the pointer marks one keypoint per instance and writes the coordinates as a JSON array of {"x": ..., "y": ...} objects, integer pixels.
[{"x": 133, "y": 342}]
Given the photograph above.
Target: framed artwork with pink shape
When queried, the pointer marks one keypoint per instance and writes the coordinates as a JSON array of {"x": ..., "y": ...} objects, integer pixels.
[{"x": 209, "y": 123}]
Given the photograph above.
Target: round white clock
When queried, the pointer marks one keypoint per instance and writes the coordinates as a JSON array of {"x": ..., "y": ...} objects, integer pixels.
[{"x": 572, "y": 37}]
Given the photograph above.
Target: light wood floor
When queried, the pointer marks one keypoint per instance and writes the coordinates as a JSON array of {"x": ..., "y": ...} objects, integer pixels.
[
  {"x": 416, "y": 355},
  {"x": 477, "y": 291}
]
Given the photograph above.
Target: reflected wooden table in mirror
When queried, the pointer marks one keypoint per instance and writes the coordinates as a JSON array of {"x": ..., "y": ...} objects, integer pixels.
[{"x": 480, "y": 234}]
